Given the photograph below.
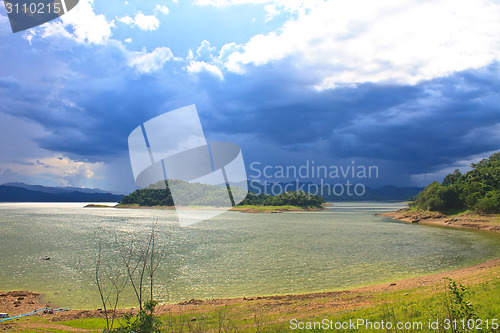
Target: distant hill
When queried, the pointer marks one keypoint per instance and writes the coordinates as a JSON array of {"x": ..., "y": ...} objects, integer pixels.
[
  {"x": 386, "y": 193},
  {"x": 55, "y": 190},
  {"x": 20, "y": 192}
]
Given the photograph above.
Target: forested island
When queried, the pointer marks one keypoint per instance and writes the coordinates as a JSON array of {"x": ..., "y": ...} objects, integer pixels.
[{"x": 159, "y": 195}]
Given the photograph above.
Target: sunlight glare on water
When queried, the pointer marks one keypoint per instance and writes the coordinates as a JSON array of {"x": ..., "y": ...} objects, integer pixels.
[{"x": 232, "y": 255}]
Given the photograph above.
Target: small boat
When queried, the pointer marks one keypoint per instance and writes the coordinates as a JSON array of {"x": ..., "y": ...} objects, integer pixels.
[{"x": 46, "y": 258}]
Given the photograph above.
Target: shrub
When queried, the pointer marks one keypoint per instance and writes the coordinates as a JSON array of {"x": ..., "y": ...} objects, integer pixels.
[{"x": 144, "y": 322}]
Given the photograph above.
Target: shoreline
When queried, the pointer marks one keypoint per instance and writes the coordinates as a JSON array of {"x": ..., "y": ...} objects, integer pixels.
[
  {"x": 19, "y": 302},
  {"x": 466, "y": 220},
  {"x": 243, "y": 209},
  {"x": 32, "y": 300}
]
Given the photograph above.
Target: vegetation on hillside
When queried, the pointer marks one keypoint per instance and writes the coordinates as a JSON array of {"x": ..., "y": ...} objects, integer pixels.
[
  {"x": 159, "y": 194},
  {"x": 477, "y": 190},
  {"x": 298, "y": 199}
]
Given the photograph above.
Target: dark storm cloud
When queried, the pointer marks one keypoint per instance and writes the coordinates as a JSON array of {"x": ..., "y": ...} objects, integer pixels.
[
  {"x": 419, "y": 128},
  {"x": 425, "y": 126}
]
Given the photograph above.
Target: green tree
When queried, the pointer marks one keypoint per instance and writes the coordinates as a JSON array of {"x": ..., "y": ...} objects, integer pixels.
[{"x": 452, "y": 178}]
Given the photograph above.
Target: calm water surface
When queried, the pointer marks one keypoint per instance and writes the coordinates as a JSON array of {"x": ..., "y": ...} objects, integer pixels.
[{"x": 232, "y": 255}]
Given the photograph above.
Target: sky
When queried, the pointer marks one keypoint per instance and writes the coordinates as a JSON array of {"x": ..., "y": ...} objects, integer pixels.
[{"x": 409, "y": 86}]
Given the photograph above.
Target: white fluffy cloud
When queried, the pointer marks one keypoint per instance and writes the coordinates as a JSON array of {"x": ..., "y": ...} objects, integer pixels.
[
  {"x": 86, "y": 25},
  {"x": 229, "y": 49},
  {"x": 205, "y": 60},
  {"x": 143, "y": 22},
  {"x": 127, "y": 20},
  {"x": 145, "y": 63},
  {"x": 202, "y": 66},
  {"x": 162, "y": 8},
  {"x": 373, "y": 41}
]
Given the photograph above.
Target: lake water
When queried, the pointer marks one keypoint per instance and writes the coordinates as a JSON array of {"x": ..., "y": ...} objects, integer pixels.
[{"x": 232, "y": 255}]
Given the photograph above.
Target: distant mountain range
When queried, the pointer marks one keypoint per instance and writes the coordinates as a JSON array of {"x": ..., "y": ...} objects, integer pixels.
[
  {"x": 332, "y": 193},
  {"x": 20, "y": 192}
]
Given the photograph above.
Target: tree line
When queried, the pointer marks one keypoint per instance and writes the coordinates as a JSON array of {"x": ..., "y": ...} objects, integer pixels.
[{"x": 299, "y": 199}]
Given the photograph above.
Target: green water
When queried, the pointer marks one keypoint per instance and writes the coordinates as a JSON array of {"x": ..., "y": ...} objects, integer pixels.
[{"x": 232, "y": 255}]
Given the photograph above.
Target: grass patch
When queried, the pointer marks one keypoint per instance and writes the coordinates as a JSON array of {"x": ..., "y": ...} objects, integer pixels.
[
  {"x": 88, "y": 324},
  {"x": 97, "y": 206},
  {"x": 126, "y": 206}
]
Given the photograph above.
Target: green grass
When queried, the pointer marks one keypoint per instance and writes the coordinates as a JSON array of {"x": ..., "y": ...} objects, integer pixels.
[
  {"x": 126, "y": 206},
  {"x": 88, "y": 324},
  {"x": 97, "y": 206},
  {"x": 418, "y": 306}
]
